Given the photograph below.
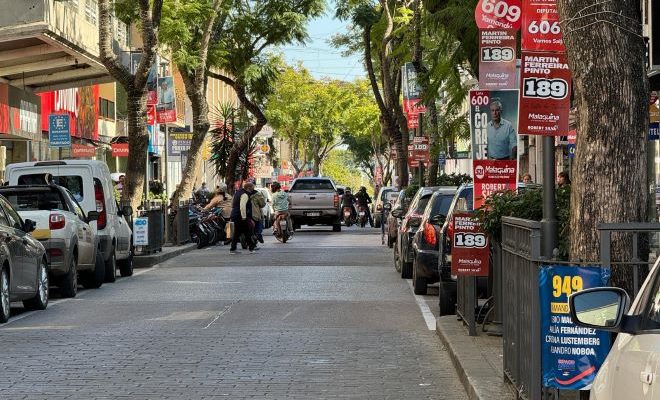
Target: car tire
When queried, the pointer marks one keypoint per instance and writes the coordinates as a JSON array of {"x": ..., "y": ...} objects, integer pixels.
[
  {"x": 390, "y": 242},
  {"x": 406, "y": 269},
  {"x": 397, "y": 265},
  {"x": 420, "y": 284},
  {"x": 126, "y": 266},
  {"x": 40, "y": 300},
  {"x": 376, "y": 222},
  {"x": 447, "y": 298},
  {"x": 5, "y": 309},
  {"x": 111, "y": 267},
  {"x": 94, "y": 279},
  {"x": 69, "y": 283},
  {"x": 336, "y": 227}
]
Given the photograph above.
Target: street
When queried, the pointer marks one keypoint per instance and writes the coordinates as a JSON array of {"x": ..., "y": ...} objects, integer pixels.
[{"x": 324, "y": 316}]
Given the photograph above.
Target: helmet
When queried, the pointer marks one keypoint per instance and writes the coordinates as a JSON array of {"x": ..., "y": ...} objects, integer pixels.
[
  {"x": 363, "y": 189},
  {"x": 347, "y": 190}
]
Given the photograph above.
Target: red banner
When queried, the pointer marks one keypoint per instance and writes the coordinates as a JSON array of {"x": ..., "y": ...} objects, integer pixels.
[
  {"x": 82, "y": 151},
  {"x": 151, "y": 115},
  {"x": 469, "y": 250},
  {"x": 541, "y": 30},
  {"x": 497, "y": 60},
  {"x": 492, "y": 176},
  {"x": 421, "y": 149},
  {"x": 413, "y": 120},
  {"x": 412, "y": 162},
  {"x": 544, "y": 94},
  {"x": 119, "y": 149},
  {"x": 81, "y": 104},
  {"x": 499, "y": 14}
]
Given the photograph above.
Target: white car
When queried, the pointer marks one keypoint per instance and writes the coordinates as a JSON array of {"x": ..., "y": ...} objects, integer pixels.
[
  {"x": 632, "y": 368},
  {"x": 64, "y": 230},
  {"x": 91, "y": 185}
]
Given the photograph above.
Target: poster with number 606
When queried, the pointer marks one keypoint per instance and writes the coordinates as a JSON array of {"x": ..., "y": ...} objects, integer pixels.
[
  {"x": 541, "y": 30},
  {"x": 469, "y": 249}
]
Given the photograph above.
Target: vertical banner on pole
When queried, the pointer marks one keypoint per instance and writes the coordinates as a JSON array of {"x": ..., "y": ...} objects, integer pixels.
[
  {"x": 541, "y": 30},
  {"x": 497, "y": 59}
]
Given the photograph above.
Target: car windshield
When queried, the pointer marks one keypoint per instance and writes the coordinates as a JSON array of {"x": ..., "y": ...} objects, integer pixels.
[
  {"x": 423, "y": 202},
  {"x": 313, "y": 184},
  {"x": 441, "y": 204},
  {"x": 35, "y": 200},
  {"x": 72, "y": 182},
  {"x": 384, "y": 196}
]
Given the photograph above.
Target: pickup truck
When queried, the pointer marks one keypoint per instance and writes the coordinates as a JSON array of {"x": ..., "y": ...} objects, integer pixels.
[{"x": 314, "y": 201}]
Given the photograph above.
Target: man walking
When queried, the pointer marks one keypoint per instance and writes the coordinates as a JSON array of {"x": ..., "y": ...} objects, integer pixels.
[
  {"x": 241, "y": 214},
  {"x": 258, "y": 202}
]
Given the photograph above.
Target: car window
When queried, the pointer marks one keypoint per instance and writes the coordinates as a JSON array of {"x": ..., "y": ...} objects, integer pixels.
[
  {"x": 649, "y": 304},
  {"x": 73, "y": 183},
  {"x": 77, "y": 209},
  {"x": 383, "y": 195},
  {"x": 3, "y": 218},
  {"x": 14, "y": 220},
  {"x": 36, "y": 200},
  {"x": 422, "y": 203},
  {"x": 313, "y": 184},
  {"x": 441, "y": 204}
]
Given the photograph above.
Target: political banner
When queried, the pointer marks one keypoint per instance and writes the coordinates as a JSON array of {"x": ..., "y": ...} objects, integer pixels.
[
  {"x": 59, "y": 133},
  {"x": 545, "y": 94},
  {"x": 470, "y": 252},
  {"x": 497, "y": 60},
  {"x": 152, "y": 78},
  {"x": 541, "y": 30},
  {"x": 412, "y": 120},
  {"x": 412, "y": 162},
  {"x": 571, "y": 356},
  {"x": 151, "y": 115},
  {"x": 412, "y": 92},
  {"x": 421, "y": 148},
  {"x": 179, "y": 142},
  {"x": 119, "y": 149},
  {"x": 493, "y": 118},
  {"x": 166, "y": 107},
  {"x": 498, "y": 14}
]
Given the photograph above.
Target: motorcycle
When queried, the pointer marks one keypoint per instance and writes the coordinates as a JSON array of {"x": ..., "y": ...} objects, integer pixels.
[
  {"x": 362, "y": 216},
  {"x": 283, "y": 233},
  {"x": 347, "y": 213}
]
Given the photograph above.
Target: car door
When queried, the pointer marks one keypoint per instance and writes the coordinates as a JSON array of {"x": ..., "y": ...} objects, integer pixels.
[
  {"x": 19, "y": 247},
  {"x": 10, "y": 253},
  {"x": 83, "y": 231}
]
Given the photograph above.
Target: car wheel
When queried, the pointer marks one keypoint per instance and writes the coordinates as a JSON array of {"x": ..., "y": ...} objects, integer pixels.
[
  {"x": 126, "y": 266},
  {"x": 336, "y": 227},
  {"x": 94, "y": 279},
  {"x": 40, "y": 300},
  {"x": 5, "y": 308},
  {"x": 406, "y": 268},
  {"x": 447, "y": 298},
  {"x": 419, "y": 283},
  {"x": 390, "y": 242},
  {"x": 397, "y": 265},
  {"x": 111, "y": 267},
  {"x": 69, "y": 283}
]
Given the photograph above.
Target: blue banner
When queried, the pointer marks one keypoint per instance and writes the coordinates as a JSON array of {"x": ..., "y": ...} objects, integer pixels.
[
  {"x": 59, "y": 134},
  {"x": 654, "y": 131},
  {"x": 571, "y": 355}
]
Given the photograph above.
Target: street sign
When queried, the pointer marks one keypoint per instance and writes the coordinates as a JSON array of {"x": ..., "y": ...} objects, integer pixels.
[
  {"x": 442, "y": 159},
  {"x": 59, "y": 134},
  {"x": 141, "y": 231}
]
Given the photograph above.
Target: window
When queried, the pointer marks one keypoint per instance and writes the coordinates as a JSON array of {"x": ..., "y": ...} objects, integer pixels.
[
  {"x": 36, "y": 200},
  {"x": 13, "y": 217},
  {"x": 313, "y": 184},
  {"x": 76, "y": 207},
  {"x": 441, "y": 204},
  {"x": 72, "y": 182},
  {"x": 91, "y": 11},
  {"x": 106, "y": 108}
]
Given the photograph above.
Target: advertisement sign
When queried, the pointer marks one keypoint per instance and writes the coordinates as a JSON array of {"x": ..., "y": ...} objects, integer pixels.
[
  {"x": 497, "y": 60},
  {"x": 545, "y": 94},
  {"x": 412, "y": 92},
  {"x": 82, "y": 151},
  {"x": 179, "y": 142},
  {"x": 166, "y": 107},
  {"x": 470, "y": 252},
  {"x": 119, "y": 149},
  {"x": 493, "y": 118},
  {"x": 141, "y": 231},
  {"x": 500, "y": 14},
  {"x": 571, "y": 355},
  {"x": 59, "y": 134},
  {"x": 654, "y": 131},
  {"x": 541, "y": 30},
  {"x": 151, "y": 115}
]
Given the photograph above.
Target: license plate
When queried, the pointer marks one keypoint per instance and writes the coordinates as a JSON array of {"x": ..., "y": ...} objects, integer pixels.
[
  {"x": 361, "y": 213},
  {"x": 313, "y": 214},
  {"x": 347, "y": 213}
]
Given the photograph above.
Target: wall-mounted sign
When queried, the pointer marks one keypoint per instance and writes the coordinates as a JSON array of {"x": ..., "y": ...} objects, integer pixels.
[
  {"x": 82, "y": 151},
  {"x": 59, "y": 134},
  {"x": 119, "y": 149},
  {"x": 80, "y": 104}
]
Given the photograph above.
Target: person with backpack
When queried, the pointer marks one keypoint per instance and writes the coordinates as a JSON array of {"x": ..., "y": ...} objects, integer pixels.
[{"x": 241, "y": 216}]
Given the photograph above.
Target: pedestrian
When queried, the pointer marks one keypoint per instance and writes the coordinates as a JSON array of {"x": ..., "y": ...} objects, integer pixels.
[
  {"x": 258, "y": 202},
  {"x": 221, "y": 200},
  {"x": 241, "y": 215},
  {"x": 563, "y": 179},
  {"x": 527, "y": 179}
]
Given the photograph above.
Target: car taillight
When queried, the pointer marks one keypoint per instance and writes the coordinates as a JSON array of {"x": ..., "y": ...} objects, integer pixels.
[
  {"x": 336, "y": 200},
  {"x": 54, "y": 252},
  {"x": 56, "y": 221},
  {"x": 100, "y": 206},
  {"x": 429, "y": 234},
  {"x": 450, "y": 231}
]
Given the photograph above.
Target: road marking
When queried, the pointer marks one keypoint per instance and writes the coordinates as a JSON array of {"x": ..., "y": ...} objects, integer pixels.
[
  {"x": 221, "y": 313},
  {"x": 144, "y": 271},
  {"x": 424, "y": 308},
  {"x": 39, "y": 327}
]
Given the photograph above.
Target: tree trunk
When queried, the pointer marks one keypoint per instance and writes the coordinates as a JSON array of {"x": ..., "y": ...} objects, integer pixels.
[
  {"x": 606, "y": 54},
  {"x": 434, "y": 142},
  {"x": 138, "y": 143}
]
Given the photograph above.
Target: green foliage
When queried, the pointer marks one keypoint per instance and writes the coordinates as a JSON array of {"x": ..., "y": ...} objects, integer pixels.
[
  {"x": 454, "y": 179},
  {"x": 411, "y": 190},
  {"x": 339, "y": 167},
  {"x": 228, "y": 123}
]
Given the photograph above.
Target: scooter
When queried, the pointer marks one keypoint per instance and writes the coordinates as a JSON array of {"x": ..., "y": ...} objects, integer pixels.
[
  {"x": 349, "y": 219},
  {"x": 283, "y": 233},
  {"x": 362, "y": 216}
]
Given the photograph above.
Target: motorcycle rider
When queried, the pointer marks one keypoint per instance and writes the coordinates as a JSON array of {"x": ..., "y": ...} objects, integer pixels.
[
  {"x": 348, "y": 200},
  {"x": 280, "y": 206},
  {"x": 363, "y": 200}
]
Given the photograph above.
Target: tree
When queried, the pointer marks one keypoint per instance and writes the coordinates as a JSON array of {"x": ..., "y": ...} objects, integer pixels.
[
  {"x": 606, "y": 54},
  {"x": 135, "y": 84}
]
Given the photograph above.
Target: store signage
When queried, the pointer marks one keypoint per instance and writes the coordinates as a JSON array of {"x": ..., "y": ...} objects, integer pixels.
[
  {"x": 497, "y": 60},
  {"x": 82, "y": 151},
  {"x": 59, "y": 134},
  {"x": 166, "y": 107},
  {"x": 80, "y": 104},
  {"x": 499, "y": 14},
  {"x": 571, "y": 355},
  {"x": 179, "y": 142},
  {"x": 119, "y": 149},
  {"x": 470, "y": 252},
  {"x": 141, "y": 231},
  {"x": 545, "y": 91},
  {"x": 541, "y": 28}
]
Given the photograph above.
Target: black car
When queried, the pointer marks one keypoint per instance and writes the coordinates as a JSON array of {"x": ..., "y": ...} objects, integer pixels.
[
  {"x": 23, "y": 266},
  {"x": 426, "y": 240},
  {"x": 403, "y": 252},
  {"x": 402, "y": 202}
]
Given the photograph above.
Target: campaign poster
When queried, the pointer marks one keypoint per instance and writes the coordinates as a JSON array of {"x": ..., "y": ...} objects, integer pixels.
[
  {"x": 412, "y": 91},
  {"x": 166, "y": 107},
  {"x": 412, "y": 120},
  {"x": 498, "y": 14},
  {"x": 545, "y": 94},
  {"x": 152, "y": 78},
  {"x": 470, "y": 252},
  {"x": 541, "y": 30},
  {"x": 570, "y": 355},
  {"x": 493, "y": 122},
  {"x": 421, "y": 149},
  {"x": 497, "y": 60}
]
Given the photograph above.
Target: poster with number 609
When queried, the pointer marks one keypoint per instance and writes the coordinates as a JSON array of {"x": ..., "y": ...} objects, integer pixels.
[{"x": 469, "y": 249}]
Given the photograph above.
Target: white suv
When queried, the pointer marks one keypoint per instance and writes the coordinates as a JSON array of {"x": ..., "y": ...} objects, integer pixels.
[{"x": 90, "y": 183}]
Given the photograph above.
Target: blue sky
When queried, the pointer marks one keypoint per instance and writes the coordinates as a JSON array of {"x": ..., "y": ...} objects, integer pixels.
[{"x": 319, "y": 57}]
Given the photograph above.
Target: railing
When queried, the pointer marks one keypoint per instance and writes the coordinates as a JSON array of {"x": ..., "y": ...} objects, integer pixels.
[{"x": 466, "y": 301}]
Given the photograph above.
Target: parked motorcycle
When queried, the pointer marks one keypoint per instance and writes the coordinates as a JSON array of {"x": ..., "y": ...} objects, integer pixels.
[{"x": 349, "y": 218}]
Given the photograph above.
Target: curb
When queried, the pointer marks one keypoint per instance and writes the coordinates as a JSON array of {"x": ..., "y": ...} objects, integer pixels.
[
  {"x": 149, "y": 260},
  {"x": 480, "y": 379}
]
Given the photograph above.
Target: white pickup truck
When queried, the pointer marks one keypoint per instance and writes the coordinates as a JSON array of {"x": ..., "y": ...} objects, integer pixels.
[{"x": 314, "y": 201}]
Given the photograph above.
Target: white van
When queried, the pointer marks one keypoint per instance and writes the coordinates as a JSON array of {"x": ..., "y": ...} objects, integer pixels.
[{"x": 90, "y": 183}]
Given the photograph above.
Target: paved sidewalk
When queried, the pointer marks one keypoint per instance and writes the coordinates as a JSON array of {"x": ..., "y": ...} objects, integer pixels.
[
  {"x": 478, "y": 360},
  {"x": 169, "y": 251}
]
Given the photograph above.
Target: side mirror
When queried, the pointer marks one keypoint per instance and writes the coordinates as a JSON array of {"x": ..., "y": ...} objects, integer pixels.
[
  {"x": 397, "y": 213},
  {"x": 387, "y": 207},
  {"x": 127, "y": 210},
  {"x": 92, "y": 216},
  {"x": 29, "y": 226},
  {"x": 599, "y": 308},
  {"x": 438, "y": 219}
]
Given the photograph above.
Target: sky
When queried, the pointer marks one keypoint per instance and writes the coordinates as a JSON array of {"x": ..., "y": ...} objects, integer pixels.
[{"x": 319, "y": 57}]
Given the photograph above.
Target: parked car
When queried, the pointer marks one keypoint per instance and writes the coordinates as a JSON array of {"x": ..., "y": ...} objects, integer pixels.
[
  {"x": 393, "y": 222},
  {"x": 314, "y": 201},
  {"x": 267, "y": 210},
  {"x": 425, "y": 242},
  {"x": 403, "y": 251},
  {"x": 23, "y": 265},
  {"x": 632, "y": 365},
  {"x": 91, "y": 185},
  {"x": 64, "y": 230},
  {"x": 381, "y": 198}
]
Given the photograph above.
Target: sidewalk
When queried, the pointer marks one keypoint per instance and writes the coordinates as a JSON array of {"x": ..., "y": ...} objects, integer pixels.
[
  {"x": 169, "y": 251},
  {"x": 478, "y": 360}
]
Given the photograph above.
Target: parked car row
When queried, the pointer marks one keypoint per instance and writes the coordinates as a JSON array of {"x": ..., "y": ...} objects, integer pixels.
[{"x": 60, "y": 225}]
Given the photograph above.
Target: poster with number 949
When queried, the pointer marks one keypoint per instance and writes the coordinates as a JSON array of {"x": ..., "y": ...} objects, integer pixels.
[{"x": 469, "y": 249}]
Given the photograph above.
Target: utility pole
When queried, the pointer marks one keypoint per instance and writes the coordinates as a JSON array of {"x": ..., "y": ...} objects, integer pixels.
[{"x": 549, "y": 221}]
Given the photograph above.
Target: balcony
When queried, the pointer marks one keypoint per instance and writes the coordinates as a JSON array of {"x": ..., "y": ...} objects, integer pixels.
[{"x": 53, "y": 44}]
